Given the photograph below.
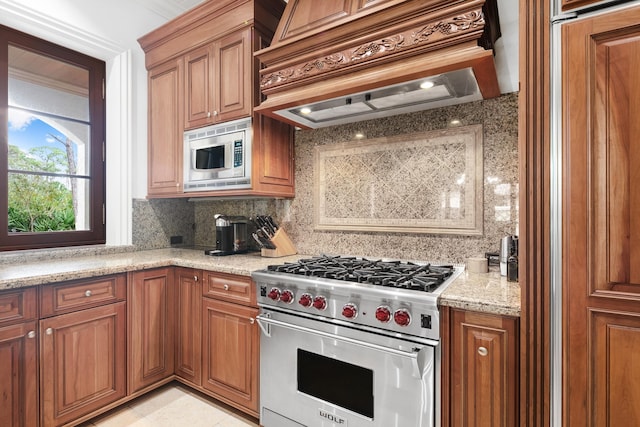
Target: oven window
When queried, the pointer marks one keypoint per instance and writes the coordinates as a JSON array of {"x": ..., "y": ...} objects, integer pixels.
[
  {"x": 210, "y": 157},
  {"x": 337, "y": 382}
]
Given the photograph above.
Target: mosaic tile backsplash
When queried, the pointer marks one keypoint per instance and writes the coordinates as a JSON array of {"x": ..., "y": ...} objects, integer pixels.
[
  {"x": 426, "y": 182},
  {"x": 156, "y": 220}
]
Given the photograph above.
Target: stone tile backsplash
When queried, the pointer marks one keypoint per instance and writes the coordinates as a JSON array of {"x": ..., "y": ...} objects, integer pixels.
[{"x": 154, "y": 221}]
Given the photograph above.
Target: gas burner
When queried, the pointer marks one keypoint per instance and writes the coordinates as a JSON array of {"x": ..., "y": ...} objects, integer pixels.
[{"x": 396, "y": 274}]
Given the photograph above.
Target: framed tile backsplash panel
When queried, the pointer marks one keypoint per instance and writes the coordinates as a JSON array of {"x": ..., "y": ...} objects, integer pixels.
[{"x": 429, "y": 182}]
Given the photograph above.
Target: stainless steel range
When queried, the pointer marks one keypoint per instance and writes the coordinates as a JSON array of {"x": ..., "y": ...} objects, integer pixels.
[{"x": 349, "y": 341}]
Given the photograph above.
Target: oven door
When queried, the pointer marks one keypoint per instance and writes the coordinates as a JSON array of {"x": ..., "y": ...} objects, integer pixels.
[{"x": 316, "y": 373}]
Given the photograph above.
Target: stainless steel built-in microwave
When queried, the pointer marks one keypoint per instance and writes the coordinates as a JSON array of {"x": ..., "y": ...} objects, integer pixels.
[{"x": 218, "y": 157}]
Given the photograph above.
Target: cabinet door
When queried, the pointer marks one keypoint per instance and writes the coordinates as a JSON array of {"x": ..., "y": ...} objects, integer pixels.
[
  {"x": 230, "y": 355},
  {"x": 188, "y": 324},
  {"x": 273, "y": 159},
  {"x": 82, "y": 362},
  {"x": 151, "y": 327},
  {"x": 165, "y": 129},
  {"x": 18, "y": 379},
  {"x": 199, "y": 90},
  {"x": 233, "y": 77},
  {"x": 601, "y": 219},
  {"x": 484, "y": 370}
]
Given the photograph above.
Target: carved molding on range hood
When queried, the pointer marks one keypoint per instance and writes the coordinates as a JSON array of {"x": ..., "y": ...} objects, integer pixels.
[{"x": 326, "y": 50}]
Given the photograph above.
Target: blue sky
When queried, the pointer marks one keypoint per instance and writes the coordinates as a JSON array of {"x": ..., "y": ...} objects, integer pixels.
[{"x": 28, "y": 134}]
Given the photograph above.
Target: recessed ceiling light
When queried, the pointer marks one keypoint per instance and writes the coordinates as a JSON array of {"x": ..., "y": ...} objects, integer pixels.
[
  {"x": 427, "y": 84},
  {"x": 455, "y": 122},
  {"x": 305, "y": 110},
  {"x": 359, "y": 135}
]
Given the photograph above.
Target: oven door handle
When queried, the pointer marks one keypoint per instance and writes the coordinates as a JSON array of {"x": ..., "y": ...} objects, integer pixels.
[
  {"x": 265, "y": 324},
  {"x": 423, "y": 364}
]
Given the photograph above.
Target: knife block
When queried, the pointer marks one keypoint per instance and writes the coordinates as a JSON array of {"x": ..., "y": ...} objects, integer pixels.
[{"x": 284, "y": 246}]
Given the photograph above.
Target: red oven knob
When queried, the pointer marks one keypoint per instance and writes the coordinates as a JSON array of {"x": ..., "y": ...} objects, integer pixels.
[
  {"x": 383, "y": 313},
  {"x": 320, "y": 302},
  {"x": 305, "y": 300},
  {"x": 287, "y": 296},
  {"x": 274, "y": 294},
  {"x": 402, "y": 317},
  {"x": 350, "y": 310}
]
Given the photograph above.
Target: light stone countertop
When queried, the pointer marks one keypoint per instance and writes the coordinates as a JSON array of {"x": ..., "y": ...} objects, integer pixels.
[
  {"x": 483, "y": 292},
  {"x": 487, "y": 292}
]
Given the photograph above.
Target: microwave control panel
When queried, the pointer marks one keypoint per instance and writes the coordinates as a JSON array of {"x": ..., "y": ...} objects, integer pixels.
[{"x": 237, "y": 153}]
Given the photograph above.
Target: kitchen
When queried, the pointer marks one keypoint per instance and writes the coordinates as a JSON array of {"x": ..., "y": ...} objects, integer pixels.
[{"x": 149, "y": 224}]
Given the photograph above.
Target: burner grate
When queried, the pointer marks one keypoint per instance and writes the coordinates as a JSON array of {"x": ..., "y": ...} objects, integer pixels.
[{"x": 397, "y": 274}]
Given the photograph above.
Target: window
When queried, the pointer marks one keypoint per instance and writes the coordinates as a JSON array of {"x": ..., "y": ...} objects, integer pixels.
[{"x": 52, "y": 121}]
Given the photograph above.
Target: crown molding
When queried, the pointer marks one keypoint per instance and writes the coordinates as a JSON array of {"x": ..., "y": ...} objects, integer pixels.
[{"x": 32, "y": 21}]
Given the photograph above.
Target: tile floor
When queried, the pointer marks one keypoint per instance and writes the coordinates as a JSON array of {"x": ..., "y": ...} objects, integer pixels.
[{"x": 173, "y": 405}]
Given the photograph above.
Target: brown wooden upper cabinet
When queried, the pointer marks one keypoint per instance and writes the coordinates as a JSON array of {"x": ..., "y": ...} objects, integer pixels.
[
  {"x": 218, "y": 81},
  {"x": 202, "y": 71}
]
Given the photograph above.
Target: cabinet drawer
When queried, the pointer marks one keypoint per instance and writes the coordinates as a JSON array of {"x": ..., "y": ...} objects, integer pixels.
[
  {"x": 78, "y": 295},
  {"x": 17, "y": 306},
  {"x": 229, "y": 287}
]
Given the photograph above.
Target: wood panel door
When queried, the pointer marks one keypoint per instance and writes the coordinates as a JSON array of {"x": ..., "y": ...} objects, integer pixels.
[
  {"x": 483, "y": 370},
  {"x": 601, "y": 219},
  {"x": 151, "y": 327},
  {"x": 165, "y": 129},
  {"x": 188, "y": 324},
  {"x": 234, "y": 76},
  {"x": 199, "y": 89},
  {"x": 18, "y": 376},
  {"x": 230, "y": 358},
  {"x": 82, "y": 362}
]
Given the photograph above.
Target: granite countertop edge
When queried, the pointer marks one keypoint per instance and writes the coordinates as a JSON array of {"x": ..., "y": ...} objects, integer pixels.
[{"x": 488, "y": 292}]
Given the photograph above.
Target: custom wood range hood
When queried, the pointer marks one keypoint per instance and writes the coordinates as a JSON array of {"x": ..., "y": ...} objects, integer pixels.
[{"x": 341, "y": 61}]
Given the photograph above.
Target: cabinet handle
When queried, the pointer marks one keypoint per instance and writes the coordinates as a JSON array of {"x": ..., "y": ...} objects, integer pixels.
[
  {"x": 208, "y": 114},
  {"x": 225, "y": 287},
  {"x": 252, "y": 320},
  {"x": 31, "y": 334},
  {"x": 215, "y": 113},
  {"x": 87, "y": 293},
  {"x": 482, "y": 351},
  {"x": 195, "y": 278},
  {"x": 48, "y": 331}
]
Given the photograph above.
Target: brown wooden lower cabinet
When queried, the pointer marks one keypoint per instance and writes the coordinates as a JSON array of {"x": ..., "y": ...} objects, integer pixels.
[
  {"x": 230, "y": 353},
  {"x": 480, "y": 369},
  {"x": 18, "y": 375},
  {"x": 74, "y": 360},
  {"x": 151, "y": 327},
  {"x": 82, "y": 362},
  {"x": 188, "y": 283}
]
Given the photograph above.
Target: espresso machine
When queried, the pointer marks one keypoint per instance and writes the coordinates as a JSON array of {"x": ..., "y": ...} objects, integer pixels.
[{"x": 231, "y": 235}]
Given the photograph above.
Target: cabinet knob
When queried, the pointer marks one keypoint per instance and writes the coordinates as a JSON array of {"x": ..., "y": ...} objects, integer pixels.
[
  {"x": 215, "y": 113},
  {"x": 177, "y": 184},
  {"x": 195, "y": 278},
  {"x": 48, "y": 331},
  {"x": 225, "y": 287},
  {"x": 31, "y": 334},
  {"x": 87, "y": 293},
  {"x": 208, "y": 114},
  {"x": 482, "y": 351},
  {"x": 252, "y": 320}
]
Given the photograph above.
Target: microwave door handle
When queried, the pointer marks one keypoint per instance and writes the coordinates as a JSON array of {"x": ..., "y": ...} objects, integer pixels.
[{"x": 228, "y": 154}]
